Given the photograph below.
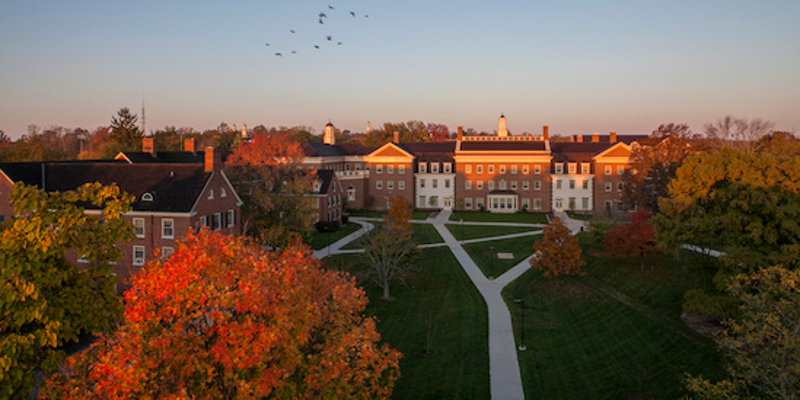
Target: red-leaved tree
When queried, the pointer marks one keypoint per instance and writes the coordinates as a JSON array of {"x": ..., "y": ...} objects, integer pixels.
[
  {"x": 222, "y": 318},
  {"x": 636, "y": 239}
]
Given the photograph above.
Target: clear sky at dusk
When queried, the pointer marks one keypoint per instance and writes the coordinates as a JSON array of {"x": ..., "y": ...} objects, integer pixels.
[{"x": 577, "y": 66}]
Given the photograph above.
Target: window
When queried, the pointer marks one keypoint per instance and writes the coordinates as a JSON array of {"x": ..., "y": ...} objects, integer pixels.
[
  {"x": 447, "y": 168},
  {"x": 468, "y": 203},
  {"x": 526, "y": 204},
  {"x": 491, "y": 169},
  {"x": 479, "y": 202},
  {"x": 435, "y": 168},
  {"x": 167, "y": 228},
  {"x": 620, "y": 169},
  {"x": 480, "y": 185},
  {"x": 525, "y": 169},
  {"x": 147, "y": 197},
  {"x": 378, "y": 184},
  {"x": 558, "y": 183},
  {"x": 401, "y": 185},
  {"x": 390, "y": 169},
  {"x": 467, "y": 184},
  {"x": 490, "y": 185},
  {"x": 422, "y": 183},
  {"x": 423, "y": 167},
  {"x": 559, "y": 168},
  {"x": 573, "y": 168},
  {"x": 571, "y": 203},
  {"x": 223, "y": 193},
  {"x": 468, "y": 168},
  {"x": 608, "y": 170},
  {"x": 502, "y": 169},
  {"x": 447, "y": 183},
  {"x": 211, "y": 194},
  {"x": 138, "y": 255},
  {"x": 401, "y": 169},
  {"x": 526, "y": 185},
  {"x": 608, "y": 186},
  {"x": 537, "y": 204},
  {"x": 422, "y": 202},
  {"x": 138, "y": 227},
  {"x": 379, "y": 169},
  {"x": 608, "y": 206},
  {"x": 358, "y": 167},
  {"x": 203, "y": 221},
  {"x": 347, "y": 167},
  {"x": 230, "y": 218},
  {"x": 390, "y": 185},
  {"x": 502, "y": 184},
  {"x": 351, "y": 193},
  {"x": 537, "y": 185},
  {"x": 585, "y": 168},
  {"x": 585, "y": 203},
  {"x": 585, "y": 183},
  {"x": 513, "y": 185},
  {"x": 572, "y": 184},
  {"x": 514, "y": 170},
  {"x": 620, "y": 186},
  {"x": 620, "y": 206},
  {"x": 434, "y": 183},
  {"x": 216, "y": 221},
  {"x": 537, "y": 169},
  {"x": 479, "y": 169},
  {"x": 166, "y": 252}
]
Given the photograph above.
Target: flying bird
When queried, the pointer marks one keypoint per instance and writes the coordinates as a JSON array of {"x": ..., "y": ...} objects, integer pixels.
[
  {"x": 366, "y": 16},
  {"x": 322, "y": 15},
  {"x": 331, "y": 7},
  {"x": 292, "y": 31},
  {"x": 320, "y": 22},
  {"x": 266, "y": 44},
  {"x": 330, "y": 38},
  {"x": 294, "y": 51},
  {"x": 316, "y": 46},
  {"x": 353, "y": 14},
  {"x": 339, "y": 43},
  {"x": 278, "y": 55}
]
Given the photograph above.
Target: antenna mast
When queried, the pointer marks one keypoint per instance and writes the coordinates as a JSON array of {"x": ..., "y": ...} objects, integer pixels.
[{"x": 144, "y": 120}]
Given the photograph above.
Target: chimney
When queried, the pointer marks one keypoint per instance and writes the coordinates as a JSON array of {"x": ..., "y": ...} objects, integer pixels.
[
  {"x": 579, "y": 138},
  {"x": 189, "y": 145},
  {"x": 572, "y": 139},
  {"x": 149, "y": 146},
  {"x": 612, "y": 138},
  {"x": 213, "y": 159},
  {"x": 595, "y": 138},
  {"x": 460, "y": 133},
  {"x": 545, "y": 133},
  {"x": 397, "y": 137}
]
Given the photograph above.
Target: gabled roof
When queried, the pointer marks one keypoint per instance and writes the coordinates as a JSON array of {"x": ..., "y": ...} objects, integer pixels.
[
  {"x": 174, "y": 187},
  {"x": 618, "y": 151},
  {"x": 390, "y": 151},
  {"x": 577, "y": 152},
  {"x": 325, "y": 177},
  {"x": 527, "y": 145},
  {"x": 161, "y": 157}
]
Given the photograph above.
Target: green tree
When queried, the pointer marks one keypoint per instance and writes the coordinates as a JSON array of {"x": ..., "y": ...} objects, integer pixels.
[
  {"x": 124, "y": 135},
  {"x": 390, "y": 252},
  {"x": 45, "y": 301},
  {"x": 558, "y": 253}
]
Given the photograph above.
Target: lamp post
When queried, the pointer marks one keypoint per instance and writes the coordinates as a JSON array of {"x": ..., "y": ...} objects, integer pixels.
[
  {"x": 462, "y": 228},
  {"x": 522, "y": 318},
  {"x": 491, "y": 262},
  {"x": 329, "y": 242}
]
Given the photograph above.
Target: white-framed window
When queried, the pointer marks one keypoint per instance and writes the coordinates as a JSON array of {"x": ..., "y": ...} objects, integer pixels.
[
  {"x": 514, "y": 169},
  {"x": 211, "y": 194},
  {"x": 434, "y": 183},
  {"x": 448, "y": 167},
  {"x": 390, "y": 169},
  {"x": 585, "y": 183},
  {"x": 423, "y": 167},
  {"x": 620, "y": 186},
  {"x": 558, "y": 183},
  {"x": 608, "y": 186},
  {"x": 571, "y": 203},
  {"x": 537, "y": 169},
  {"x": 351, "y": 193},
  {"x": 607, "y": 170},
  {"x": 447, "y": 183},
  {"x": 526, "y": 204},
  {"x": 479, "y": 169},
  {"x": 358, "y": 167},
  {"x": 513, "y": 185},
  {"x": 203, "y": 221},
  {"x": 537, "y": 185},
  {"x": 585, "y": 168},
  {"x": 491, "y": 169},
  {"x": 620, "y": 206},
  {"x": 608, "y": 205},
  {"x": 347, "y": 167},
  {"x": 537, "y": 204},
  {"x": 378, "y": 184},
  {"x": 572, "y": 184},
  {"x": 167, "y": 228},
  {"x": 401, "y": 185},
  {"x": 138, "y": 227},
  {"x": 559, "y": 168},
  {"x": 390, "y": 185},
  {"x": 585, "y": 203},
  {"x": 379, "y": 169},
  {"x": 401, "y": 169},
  {"x": 502, "y": 169},
  {"x": 422, "y": 183},
  {"x": 572, "y": 168},
  {"x": 490, "y": 185},
  {"x": 435, "y": 168},
  {"x": 526, "y": 185},
  {"x": 422, "y": 202},
  {"x": 502, "y": 184},
  {"x": 468, "y": 203},
  {"x": 467, "y": 184},
  {"x": 166, "y": 251},
  {"x": 478, "y": 202},
  {"x": 147, "y": 197},
  {"x": 525, "y": 169},
  {"x": 223, "y": 193},
  {"x": 468, "y": 168},
  {"x": 480, "y": 185},
  {"x": 216, "y": 221},
  {"x": 620, "y": 169},
  {"x": 230, "y": 218},
  {"x": 138, "y": 255}
]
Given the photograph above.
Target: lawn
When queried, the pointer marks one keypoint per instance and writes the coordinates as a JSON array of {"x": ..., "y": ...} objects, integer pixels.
[
  {"x": 442, "y": 294},
  {"x": 614, "y": 333},
  {"x": 423, "y": 234},
  {"x": 416, "y": 214},
  {"x": 479, "y": 231},
  {"x": 318, "y": 240},
  {"x": 520, "y": 217},
  {"x": 520, "y": 247}
]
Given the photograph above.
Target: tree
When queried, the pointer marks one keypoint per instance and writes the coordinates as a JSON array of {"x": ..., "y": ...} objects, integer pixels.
[
  {"x": 390, "y": 252},
  {"x": 763, "y": 343},
  {"x": 266, "y": 173},
  {"x": 636, "y": 239},
  {"x": 558, "y": 253},
  {"x": 739, "y": 133},
  {"x": 45, "y": 302},
  {"x": 438, "y": 132},
  {"x": 222, "y": 318}
]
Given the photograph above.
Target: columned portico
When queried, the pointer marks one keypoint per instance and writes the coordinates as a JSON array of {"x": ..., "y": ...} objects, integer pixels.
[{"x": 503, "y": 201}]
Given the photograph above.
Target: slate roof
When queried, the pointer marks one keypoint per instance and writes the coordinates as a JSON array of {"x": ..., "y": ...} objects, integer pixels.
[
  {"x": 503, "y": 146},
  {"x": 181, "y": 157},
  {"x": 175, "y": 187},
  {"x": 336, "y": 150},
  {"x": 577, "y": 152},
  {"x": 431, "y": 152},
  {"x": 326, "y": 178}
]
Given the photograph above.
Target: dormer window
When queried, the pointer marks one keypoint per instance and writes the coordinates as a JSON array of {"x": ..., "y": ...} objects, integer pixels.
[
  {"x": 317, "y": 186},
  {"x": 423, "y": 167},
  {"x": 435, "y": 168},
  {"x": 559, "y": 168},
  {"x": 147, "y": 197}
]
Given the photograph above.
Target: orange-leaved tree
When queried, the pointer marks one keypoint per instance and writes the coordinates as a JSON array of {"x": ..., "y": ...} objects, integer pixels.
[
  {"x": 631, "y": 240},
  {"x": 558, "y": 253},
  {"x": 222, "y": 318}
]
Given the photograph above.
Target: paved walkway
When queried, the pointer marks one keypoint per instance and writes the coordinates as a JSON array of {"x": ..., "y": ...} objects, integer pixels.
[{"x": 504, "y": 372}]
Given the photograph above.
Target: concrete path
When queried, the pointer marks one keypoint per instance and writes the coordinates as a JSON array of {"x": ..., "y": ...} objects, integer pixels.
[
  {"x": 336, "y": 247},
  {"x": 575, "y": 225}
]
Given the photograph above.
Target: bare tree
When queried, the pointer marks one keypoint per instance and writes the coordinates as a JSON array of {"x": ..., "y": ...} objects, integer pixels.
[
  {"x": 739, "y": 133},
  {"x": 390, "y": 251}
]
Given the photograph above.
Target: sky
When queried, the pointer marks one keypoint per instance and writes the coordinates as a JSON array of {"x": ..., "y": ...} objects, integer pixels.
[{"x": 577, "y": 66}]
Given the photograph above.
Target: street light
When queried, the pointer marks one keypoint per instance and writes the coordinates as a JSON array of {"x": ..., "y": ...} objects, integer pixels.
[
  {"x": 491, "y": 262},
  {"x": 462, "y": 228},
  {"x": 522, "y": 330}
]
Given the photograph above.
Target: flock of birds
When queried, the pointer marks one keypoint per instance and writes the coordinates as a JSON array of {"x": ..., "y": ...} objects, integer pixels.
[{"x": 321, "y": 18}]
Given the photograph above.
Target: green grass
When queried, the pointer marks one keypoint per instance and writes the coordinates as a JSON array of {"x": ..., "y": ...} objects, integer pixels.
[
  {"x": 474, "y": 231},
  {"x": 319, "y": 240},
  {"x": 487, "y": 261},
  {"x": 423, "y": 234},
  {"x": 583, "y": 216},
  {"x": 416, "y": 214},
  {"x": 439, "y": 292},
  {"x": 614, "y": 333},
  {"x": 520, "y": 217}
]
